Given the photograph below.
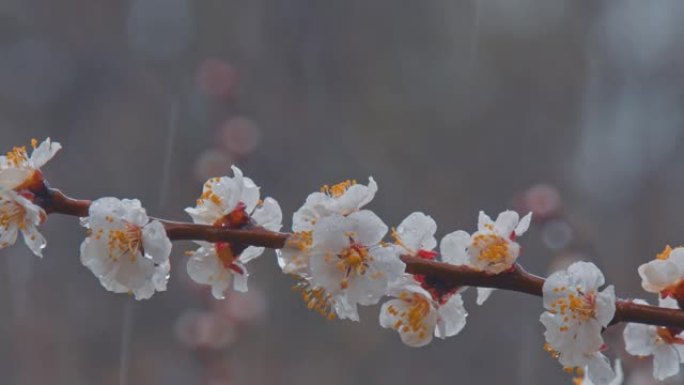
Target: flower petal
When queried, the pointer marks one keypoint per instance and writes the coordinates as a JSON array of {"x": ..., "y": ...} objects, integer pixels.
[
  {"x": 523, "y": 225},
  {"x": 483, "y": 294},
  {"x": 417, "y": 232},
  {"x": 454, "y": 247},
  {"x": 452, "y": 317},
  {"x": 156, "y": 243},
  {"x": 268, "y": 215},
  {"x": 665, "y": 362},
  {"x": 506, "y": 222}
]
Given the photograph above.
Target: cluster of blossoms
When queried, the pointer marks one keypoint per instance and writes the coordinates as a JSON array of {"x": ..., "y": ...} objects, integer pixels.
[
  {"x": 340, "y": 259},
  {"x": 343, "y": 255}
]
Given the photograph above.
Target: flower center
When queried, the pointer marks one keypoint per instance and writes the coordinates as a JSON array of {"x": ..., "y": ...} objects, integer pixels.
[
  {"x": 353, "y": 260},
  {"x": 576, "y": 306},
  {"x": 338, "y": 189},
  {"x": 126, "y": 240},
  {"x": 17, "y": 157},
  {"x": 493, "y": 248},
  {"x": 413, "y": 318},
  {"x": 11, "y": 214}
]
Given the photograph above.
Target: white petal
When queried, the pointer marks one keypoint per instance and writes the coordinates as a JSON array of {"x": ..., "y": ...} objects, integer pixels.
[
  {"x": 204, "y": 267},
  {"x": 240, "y": 280},
  {"x": 483, "y": 221},
  {"x": 506, "y": 222},
  {"x": 586, "y": 275},
  {"x": 599, "y": 370},
  {"x": 324, "y": 272},
  {"x": 268, "y": 215},
  {"x": 556, "y": 280},
  {"x": 11, "y": 178},
  {"x": 44, "y": 152},
  {"x": 250, "y": 253},
  {"x": 523, "y": 225},
  {"x": 384, "y": 269},
  {"x": 355, "y": 197},
  {"x": 367, "y": 228},
  {"x": 8, "y": 235},
  {"x": 417, "y": 232},
  {"x": 665, "y": 362},
  {"x": 131, "y": 211},
  {"x": 156, "y": 243},
  {"x": 344, "y": 309},
  {"x": 483, "y": 294},
  {"x": 34, "y": 240},
  {"x": 453, "y": 247},
  {"x": 452, "y": 317},
  {"x": 657, "y": 275},
  {"x": 250, "y": 194},
  {"x": 677, "y": 258},
  {"x": 640, "y": 340},
  {"x": 667, "y": 302},
  {"x": 307, "y": 215},
  {"x": 329, "y": 235},
  {"x": 605, "y": 305}
]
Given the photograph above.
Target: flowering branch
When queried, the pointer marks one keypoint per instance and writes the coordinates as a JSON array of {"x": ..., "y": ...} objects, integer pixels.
[
  {"x": 452, "y": 276},
  {"x": 338, "y": 254}
]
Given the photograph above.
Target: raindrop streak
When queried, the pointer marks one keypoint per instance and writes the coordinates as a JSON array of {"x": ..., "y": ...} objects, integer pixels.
[
  {"x": 126, "y": 329},
  {"x": 127, "y": 323},
  {"x": 170, "y": 141},
  {"x": 474, "y": 39}
]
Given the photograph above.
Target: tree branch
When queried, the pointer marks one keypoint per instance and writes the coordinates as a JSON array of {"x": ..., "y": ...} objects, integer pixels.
[{"x": 517, "y": 279}]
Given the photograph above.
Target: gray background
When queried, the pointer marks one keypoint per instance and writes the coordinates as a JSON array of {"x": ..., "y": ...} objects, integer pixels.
[{"x": 452, "y": 106}]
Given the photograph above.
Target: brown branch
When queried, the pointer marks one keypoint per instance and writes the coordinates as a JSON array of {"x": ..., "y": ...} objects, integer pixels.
[{"x": 517, "y": 279}]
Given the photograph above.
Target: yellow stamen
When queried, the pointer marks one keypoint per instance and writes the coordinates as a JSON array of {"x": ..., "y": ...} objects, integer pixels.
[
  {"x": 316, "y": 299},
  {"x": 127, "y": 240},
  {"x": 338, "y": 189},
  {"x": 412, "y": 320},
  {"x": 665, "y": 254},
  {"x": 493, "y": 248}
]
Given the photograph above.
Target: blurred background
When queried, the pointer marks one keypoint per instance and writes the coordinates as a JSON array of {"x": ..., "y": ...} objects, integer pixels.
[{"x": 571, "y": 109}]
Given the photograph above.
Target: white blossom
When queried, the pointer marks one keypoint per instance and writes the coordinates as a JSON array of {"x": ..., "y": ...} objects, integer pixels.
[
  {"x": 416, "y": 235},
  {"x": 17, "y": 168},
  {"x": 492, "y": 248},
  {"x": 349, "y": 263},
  {"x": 417, "y": 316},
  {"x": 576, "y": 313},
  {"x": 19, "y": 214},
  {"x": 230, "y": 203},
  {"x": 124, "y": 249},
  {"x": 618, "y": 380},
  {"x": 665, "y": 274},
  {"x": 341, "y": 199},
  {"x": 664, "y": 344}
]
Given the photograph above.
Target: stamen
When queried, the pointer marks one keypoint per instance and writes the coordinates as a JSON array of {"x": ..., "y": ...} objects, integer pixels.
[
  {"x": 12, "y": 213},
  {"x": 316, "y": 299},
  {"x": 128, "y": 240},
  {"x": 412, "y": 320},
  {"x": 665, "y": 254},
  {"x": 493, "y": 248},
  {"x": 338, "y": 189}
]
